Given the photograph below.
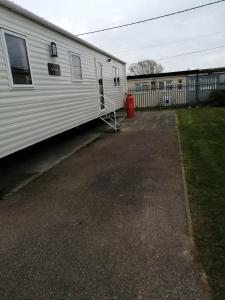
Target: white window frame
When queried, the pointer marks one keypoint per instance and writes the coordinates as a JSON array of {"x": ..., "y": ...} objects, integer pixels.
[
  {"x": 8, "y": 65},
  {"x": 71, "y": 53},
  {"x": 117, "y": 75},
  {"x": 114, "y": 73},
  {"x": 96, "y": 60}
]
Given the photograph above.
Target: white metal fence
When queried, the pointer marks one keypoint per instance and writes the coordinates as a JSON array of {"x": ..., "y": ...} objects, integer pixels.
[{"x": 174, "y": 95}]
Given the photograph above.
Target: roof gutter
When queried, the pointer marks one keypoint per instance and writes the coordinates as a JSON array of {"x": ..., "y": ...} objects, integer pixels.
[{"x": 177, "y": 73}]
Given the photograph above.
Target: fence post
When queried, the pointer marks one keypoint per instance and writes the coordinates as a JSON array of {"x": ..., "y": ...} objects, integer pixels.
[{"x": 197, "y": 86}]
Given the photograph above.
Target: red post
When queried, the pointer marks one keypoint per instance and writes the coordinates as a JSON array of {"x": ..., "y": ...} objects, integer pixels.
[{"x": 130, "y": 106}]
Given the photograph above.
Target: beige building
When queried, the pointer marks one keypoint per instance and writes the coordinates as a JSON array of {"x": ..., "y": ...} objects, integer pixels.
[
  {"x": 158, "y": 89},
  {"x": 175, "y": 88},
  {"x": 156, "y": 81}
]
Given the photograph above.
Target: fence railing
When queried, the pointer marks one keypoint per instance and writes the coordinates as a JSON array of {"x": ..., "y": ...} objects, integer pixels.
[{"x": 179, "y": 95}]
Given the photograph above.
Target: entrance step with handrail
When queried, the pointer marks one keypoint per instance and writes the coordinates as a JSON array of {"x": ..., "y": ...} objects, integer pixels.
[{"x": 107, "y": 112}]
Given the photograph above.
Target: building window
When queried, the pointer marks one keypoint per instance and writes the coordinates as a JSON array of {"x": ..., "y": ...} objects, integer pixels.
[
  {"x": 191, "y": 84},
  {"x": 169, "y": 85},
  {"x": 179, "y": 86},
  {"x": 142, "y": 86},
  {"x": 153, "y": 85},
  {"x": 207, "y": 83},
  {"x": 137, "y": 86},
  {"x": 221, "y": 78},
  {"x": 161, "y": 85},
  {"x": 18, "y": 59},
  {"x": 116, "y": 76},
  {"x": 76, "y": 67}
]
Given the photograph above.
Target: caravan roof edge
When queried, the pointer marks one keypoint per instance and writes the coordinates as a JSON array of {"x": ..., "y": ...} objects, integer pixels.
[{"x": 26, "y": 13}]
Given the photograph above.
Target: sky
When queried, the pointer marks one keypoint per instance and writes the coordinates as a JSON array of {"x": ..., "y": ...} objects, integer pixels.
[{"x": 192, "y": 31}]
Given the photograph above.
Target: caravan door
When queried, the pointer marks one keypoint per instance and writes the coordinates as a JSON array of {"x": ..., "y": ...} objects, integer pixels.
[{"x": 99, "y": 75}]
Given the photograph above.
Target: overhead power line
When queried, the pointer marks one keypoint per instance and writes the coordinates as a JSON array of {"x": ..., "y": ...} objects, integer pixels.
[
  {"x": 152, "y": 19},
  {"x": 189, "y": 53},
  {"x": 172, "y": 42}
]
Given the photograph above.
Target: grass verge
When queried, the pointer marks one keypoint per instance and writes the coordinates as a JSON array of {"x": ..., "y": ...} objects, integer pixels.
[{"x": 202, "y": 134}]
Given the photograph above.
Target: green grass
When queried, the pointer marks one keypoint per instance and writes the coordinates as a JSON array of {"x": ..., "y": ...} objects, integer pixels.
[{"x": 203, "y": 144}]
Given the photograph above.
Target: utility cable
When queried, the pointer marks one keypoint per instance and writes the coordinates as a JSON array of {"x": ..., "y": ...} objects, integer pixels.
[
  {"x": 189, "y": 53},
  {"x": 152, "y": 19}
]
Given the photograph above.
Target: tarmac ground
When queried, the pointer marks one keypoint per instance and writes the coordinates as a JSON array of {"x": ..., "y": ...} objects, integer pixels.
[{"x": 108, "y": 222}]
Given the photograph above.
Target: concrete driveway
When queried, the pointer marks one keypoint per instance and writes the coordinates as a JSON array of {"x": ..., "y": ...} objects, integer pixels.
[{"x": 106, "y": 223}]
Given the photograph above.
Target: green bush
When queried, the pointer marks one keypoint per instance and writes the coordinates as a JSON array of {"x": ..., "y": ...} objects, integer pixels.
[{"x": 217, "y": 97}]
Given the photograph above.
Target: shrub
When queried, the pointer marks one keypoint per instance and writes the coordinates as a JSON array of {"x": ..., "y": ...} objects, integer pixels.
[{"x": 217, "y": 97}]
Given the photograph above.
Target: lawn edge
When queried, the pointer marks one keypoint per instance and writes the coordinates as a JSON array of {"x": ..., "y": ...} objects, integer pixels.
[
  {"x": 185, "y": 189},
  {"x": 194, "y": 250}
]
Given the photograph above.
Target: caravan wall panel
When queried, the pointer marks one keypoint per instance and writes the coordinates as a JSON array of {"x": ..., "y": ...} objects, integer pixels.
[{"x": 55, "y": 103}]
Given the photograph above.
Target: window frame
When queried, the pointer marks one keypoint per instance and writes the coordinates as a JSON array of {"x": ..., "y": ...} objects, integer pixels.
[
  {"x": 205, "y": 84},
  {"x": 169, "y": 85},
  {"x": 118, "y": 76},
  {"x": 180, "y": 85},
  {"x": 153, "y": 85},
  {"x": 161, "y": 85},
  {"x": 137, "y": 86},
  {"x": 71, "y": 53},
  {"x": 114, "y": 73},
  {"x": 96, "y": 60},
  {"x": 192, "y": 84},
  {"x": 101, "y": 96},
  {"x": 144, "y": 85},
  {"x": 7, "y": 60},
  {"x": 116, "y": 80}
]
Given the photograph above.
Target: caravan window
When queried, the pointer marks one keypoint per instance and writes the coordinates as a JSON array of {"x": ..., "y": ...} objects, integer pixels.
[
  {"x": 116, "y": 76},
  {"x": 18, "y": 59},
  {"x": 76, "y": 67}
]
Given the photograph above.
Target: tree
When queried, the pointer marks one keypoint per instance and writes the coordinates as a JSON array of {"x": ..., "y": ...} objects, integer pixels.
[{"x": 145, "y": 67}]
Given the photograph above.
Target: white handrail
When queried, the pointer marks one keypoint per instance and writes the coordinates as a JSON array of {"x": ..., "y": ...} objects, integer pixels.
[
  {"x": 111, "y": 109},
  {"x": 110, "y": 101}
]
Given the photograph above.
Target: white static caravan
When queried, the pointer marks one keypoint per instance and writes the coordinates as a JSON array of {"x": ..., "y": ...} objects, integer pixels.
[{"x": 50, "y": 80}]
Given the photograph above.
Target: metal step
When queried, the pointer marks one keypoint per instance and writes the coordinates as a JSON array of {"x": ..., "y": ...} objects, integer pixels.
[
  {"x": 108, "y": 114},
  {"x": 112, "y": 123}
]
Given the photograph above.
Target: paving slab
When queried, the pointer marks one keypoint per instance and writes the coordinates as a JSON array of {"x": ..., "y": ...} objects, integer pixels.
[{"x": 109, "y": 222}]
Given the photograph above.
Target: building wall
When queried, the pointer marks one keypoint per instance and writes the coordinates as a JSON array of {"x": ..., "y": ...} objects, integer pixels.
[
  {"x": 54, "y": 104},
  {"x": 205, "y": 84},
  {"x": 175, "y": 80}
]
